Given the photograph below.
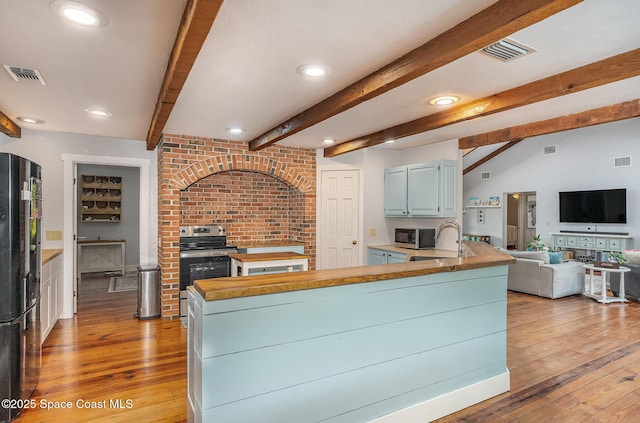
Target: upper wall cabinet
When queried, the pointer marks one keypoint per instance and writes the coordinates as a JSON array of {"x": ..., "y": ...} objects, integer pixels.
[{"x": 421, "y": 190}]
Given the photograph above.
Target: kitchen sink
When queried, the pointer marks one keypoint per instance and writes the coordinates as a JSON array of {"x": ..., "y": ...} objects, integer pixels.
[{"x": 421, "y": 258}]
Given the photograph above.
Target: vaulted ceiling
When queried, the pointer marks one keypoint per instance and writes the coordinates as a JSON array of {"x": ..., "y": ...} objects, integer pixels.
[{"x": 201, "y": 67}]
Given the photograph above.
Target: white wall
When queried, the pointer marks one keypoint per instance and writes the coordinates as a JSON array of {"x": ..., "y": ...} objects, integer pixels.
[
  {"x": 48, "y": 149},
  {"x": 583, "y": 160},
  {"x": 371, "y": 162}
]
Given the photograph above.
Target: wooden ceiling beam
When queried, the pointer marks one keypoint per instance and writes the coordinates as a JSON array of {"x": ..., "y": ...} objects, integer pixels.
[
  {"x": 612, "y": 69},
  {"x": 499, "y": 20},
  {"x": 607, "y": 114},
  {"x": 490, "y": 156},
  {"x": 9, "y": 127},
  {"x": 195, "y": 25}
]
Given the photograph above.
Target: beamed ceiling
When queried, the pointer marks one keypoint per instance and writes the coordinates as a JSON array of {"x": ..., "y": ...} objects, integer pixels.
[{"x": 200, "y": 67}]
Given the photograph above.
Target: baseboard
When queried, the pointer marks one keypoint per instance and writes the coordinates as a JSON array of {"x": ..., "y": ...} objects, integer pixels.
[{"x": 451, "y": 402}]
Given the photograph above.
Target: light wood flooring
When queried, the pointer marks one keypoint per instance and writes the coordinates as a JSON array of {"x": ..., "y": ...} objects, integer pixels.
[
  {"x": 571, "y": 360},
  {"x": 104, "y": 355}
]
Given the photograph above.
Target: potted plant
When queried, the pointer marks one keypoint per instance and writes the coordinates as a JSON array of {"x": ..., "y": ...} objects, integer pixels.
[
  {"x": 617, "y": 257},
  {"x": 536, "y": 244}
]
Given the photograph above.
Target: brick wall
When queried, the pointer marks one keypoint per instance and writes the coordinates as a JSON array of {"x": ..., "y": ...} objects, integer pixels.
[{"x": 268, "y": 195}]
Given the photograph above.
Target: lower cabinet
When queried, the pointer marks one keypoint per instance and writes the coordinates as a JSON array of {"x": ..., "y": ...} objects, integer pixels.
[
  {"x": 50, "y": 295},
  {"x": 378, "y": 256}
]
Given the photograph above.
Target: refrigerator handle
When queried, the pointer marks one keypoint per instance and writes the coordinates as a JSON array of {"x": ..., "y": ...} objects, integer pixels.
[{"x": 25, "y": 291}]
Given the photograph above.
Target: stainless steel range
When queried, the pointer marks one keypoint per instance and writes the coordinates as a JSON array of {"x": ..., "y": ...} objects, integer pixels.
[{"x": 204, "y": 254}]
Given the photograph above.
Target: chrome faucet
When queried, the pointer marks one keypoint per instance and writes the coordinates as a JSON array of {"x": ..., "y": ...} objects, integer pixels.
[{"x": 451, "y": 222}]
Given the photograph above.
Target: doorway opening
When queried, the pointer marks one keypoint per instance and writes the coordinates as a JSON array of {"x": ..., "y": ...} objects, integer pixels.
[
  {"x": 71, "y": 162},
  {"x": 520, "y": 220},
  {"x": 107, "y": 225}
]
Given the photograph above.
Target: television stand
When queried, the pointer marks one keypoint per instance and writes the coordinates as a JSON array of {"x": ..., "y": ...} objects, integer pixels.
[
  {"x": 596, "y": 233},
  {"x": 597, "y": 241}
]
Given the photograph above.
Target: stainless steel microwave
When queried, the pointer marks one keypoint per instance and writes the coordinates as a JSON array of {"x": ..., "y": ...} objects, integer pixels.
[{"x": 415, "y": 238}]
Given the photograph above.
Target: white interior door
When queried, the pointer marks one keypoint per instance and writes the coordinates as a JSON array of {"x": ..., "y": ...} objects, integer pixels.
[{"x": 339, "y": 242}]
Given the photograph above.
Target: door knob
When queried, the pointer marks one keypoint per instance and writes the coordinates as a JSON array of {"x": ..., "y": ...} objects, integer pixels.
[{"x": 354, "y": 242}]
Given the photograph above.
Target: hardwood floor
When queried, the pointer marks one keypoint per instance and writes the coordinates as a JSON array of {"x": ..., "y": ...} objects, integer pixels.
[
  {"x": 571, "y": 360},
  {"x": 105, "y": 355}
]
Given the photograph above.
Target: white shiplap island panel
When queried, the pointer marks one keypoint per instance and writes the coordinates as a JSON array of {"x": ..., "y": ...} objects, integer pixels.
[{"x": 349, "y": 353}]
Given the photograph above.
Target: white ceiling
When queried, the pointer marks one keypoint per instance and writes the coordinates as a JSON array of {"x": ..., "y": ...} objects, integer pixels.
[{"x": 245, "y": 74}]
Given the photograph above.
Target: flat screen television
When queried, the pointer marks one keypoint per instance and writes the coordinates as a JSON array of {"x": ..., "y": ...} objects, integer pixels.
[{"x": 596, "y": 206}]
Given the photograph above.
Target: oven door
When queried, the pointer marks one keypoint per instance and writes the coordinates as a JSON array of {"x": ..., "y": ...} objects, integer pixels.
[{"x": 194, "y": 268}]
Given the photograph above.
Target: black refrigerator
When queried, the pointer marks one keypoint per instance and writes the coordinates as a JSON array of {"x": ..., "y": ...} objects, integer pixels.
[{"x": 20, "y": 272}]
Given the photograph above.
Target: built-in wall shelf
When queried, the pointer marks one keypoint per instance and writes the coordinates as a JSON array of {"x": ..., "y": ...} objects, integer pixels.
[
  {"x": 484, "y": 207},
  {"x": 101, "y": 198}
]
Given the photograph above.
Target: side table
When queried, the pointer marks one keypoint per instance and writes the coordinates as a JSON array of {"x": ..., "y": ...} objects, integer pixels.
[{"x": 604, "y": 272}]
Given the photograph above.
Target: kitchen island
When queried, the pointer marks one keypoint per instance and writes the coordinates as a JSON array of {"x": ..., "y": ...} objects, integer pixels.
[{"x": 388, "y": 343}]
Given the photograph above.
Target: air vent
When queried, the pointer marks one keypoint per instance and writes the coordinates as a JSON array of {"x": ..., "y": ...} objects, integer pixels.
[
  {"x": 550, "y": 149},
  {"x": 485, "y": 175},
  {"x": 507, "y": 50},
  {"x": 622, "y": 161},
  {"x": 20, "y": 74}
]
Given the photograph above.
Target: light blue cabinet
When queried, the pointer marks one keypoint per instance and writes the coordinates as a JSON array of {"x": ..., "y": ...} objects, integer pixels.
[
  {"x": 378, "y": 256},
  {"x": 421, "y": 190},
  {"x": 395, "y": 191}
]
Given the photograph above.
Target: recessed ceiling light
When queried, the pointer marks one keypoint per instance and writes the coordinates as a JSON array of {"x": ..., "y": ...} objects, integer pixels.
[
  {"x": 328, "y": 141},
  {"x": 389, "y": 141},
  {"x": 31, "y": 120},
  {"x": 312, "y": 71},
  {"x": 98, "y": 113},
  {"x": 235, "y": 131},
  {"x": 79, "y": 13},
  {"x": 444, "y": 100}
]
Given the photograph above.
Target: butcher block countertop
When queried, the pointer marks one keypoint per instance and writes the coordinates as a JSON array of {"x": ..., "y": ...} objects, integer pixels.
[
  {"x": 477, "y": 255},
  {"x": 285, "y": 255},
  {"x": 50, "y": 254},
  {"x": 263, "y": 244}
]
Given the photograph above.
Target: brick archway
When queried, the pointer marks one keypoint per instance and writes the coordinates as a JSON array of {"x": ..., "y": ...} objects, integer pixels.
[
  {"x": 183, "y": 161},
  {"x": 242, "y": 162}
]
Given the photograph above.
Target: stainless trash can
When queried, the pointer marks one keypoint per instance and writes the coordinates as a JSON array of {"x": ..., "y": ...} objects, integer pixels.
[{"x": 149, "y": 292}]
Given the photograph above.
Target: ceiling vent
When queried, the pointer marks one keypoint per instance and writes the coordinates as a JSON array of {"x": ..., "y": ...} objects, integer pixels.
[
  {"x": 20, "y": 74},
  {"x": 622, "y": 161},
  {"x": 485, "y": 175},
  {"x": 550, "y": 149},
  {"x": 507, "y": 50}
]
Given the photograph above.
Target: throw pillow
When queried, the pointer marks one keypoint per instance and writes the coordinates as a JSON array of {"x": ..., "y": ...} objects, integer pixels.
[
  {"x": 532, "y": 255},
  {"x": 555, "y": 258}
]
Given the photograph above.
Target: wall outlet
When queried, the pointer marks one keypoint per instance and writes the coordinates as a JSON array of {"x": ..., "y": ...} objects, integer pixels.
[
  {"x": 372, "y": 232},
  {"x": 54, "y": 235},
  {"x": 480, "y": 215}
]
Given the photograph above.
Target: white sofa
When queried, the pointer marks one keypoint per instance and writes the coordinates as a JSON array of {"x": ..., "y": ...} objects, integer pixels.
[{"x": 533, "y": 274}]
